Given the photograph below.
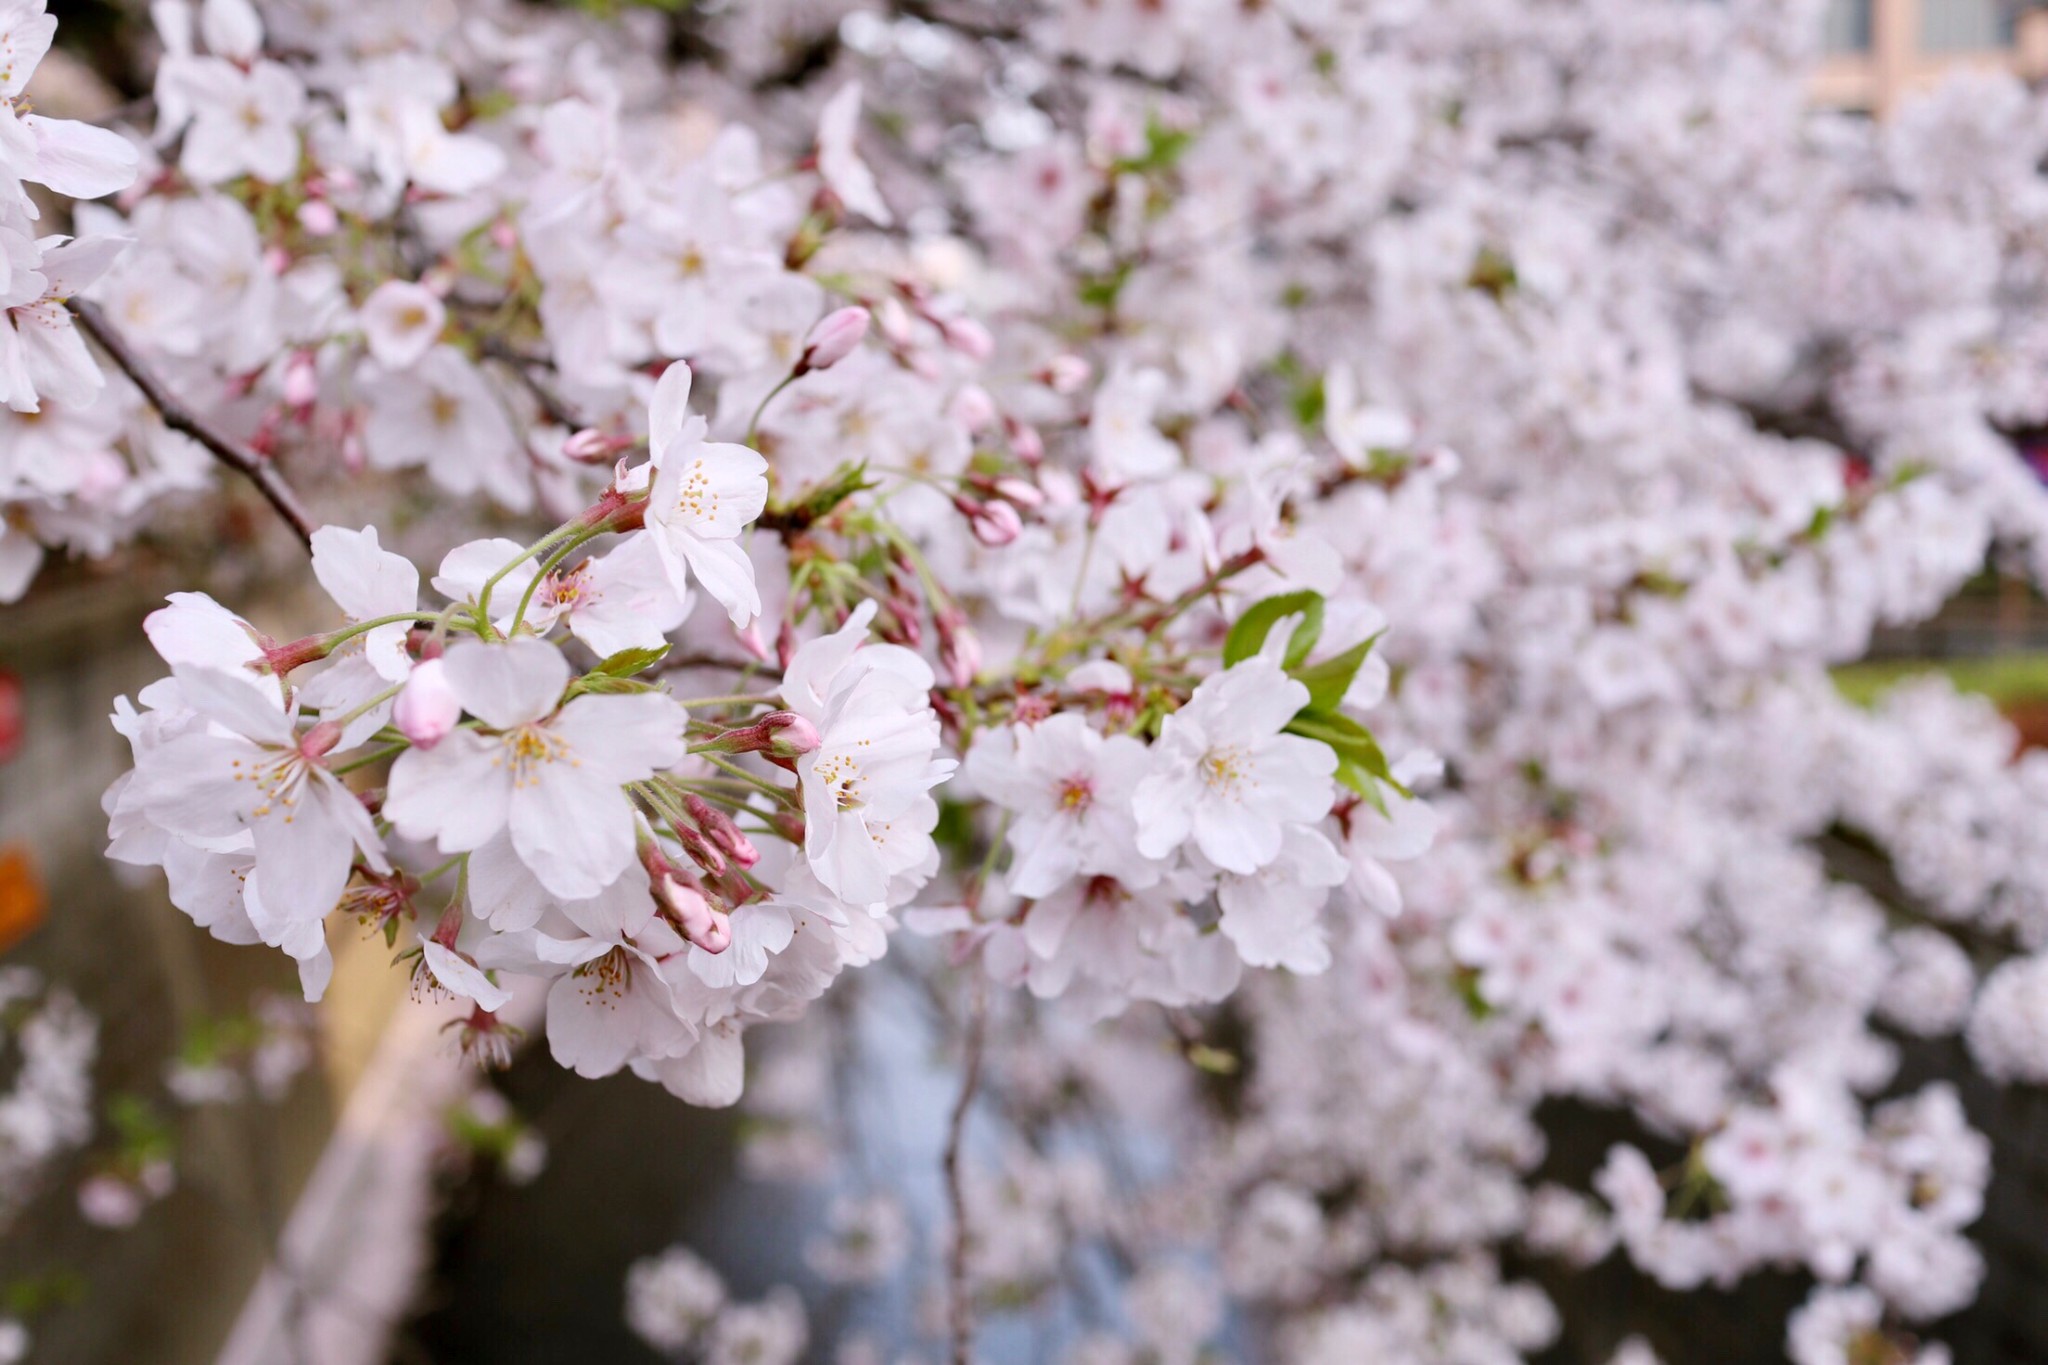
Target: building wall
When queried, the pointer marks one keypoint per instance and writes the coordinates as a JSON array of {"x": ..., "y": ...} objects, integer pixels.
[{"x": 1881, "y": 50}]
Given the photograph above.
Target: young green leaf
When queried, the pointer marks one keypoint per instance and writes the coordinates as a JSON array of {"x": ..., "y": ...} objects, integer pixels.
[
  {"x": 1248, "y": 636},
  {"x": 1328, "y": 681},
  {"x": 627, "y": 662}
]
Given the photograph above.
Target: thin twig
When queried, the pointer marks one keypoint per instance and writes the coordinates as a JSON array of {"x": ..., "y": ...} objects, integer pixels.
[
  {"x": 180, "y": 418},
  {"x": 959, "y": 1303},
  {"x": 523, "y": 366}
]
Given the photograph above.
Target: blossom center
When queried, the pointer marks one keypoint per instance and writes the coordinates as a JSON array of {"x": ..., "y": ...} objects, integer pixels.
[
  {"x": 696, "y": 498},
  {"x": 279, "y": 778},
  {"x": 531, "y": 748},
  {"x": 1226, "y": 768},
  {"x": 842, "y": 777},
  {"x": 606, "y": 976}
]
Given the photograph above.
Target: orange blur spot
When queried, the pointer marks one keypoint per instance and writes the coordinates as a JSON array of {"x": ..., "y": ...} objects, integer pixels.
[{"x": 22, "y": 902}]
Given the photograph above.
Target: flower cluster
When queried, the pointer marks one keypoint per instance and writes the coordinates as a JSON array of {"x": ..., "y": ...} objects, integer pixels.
[
  {"x": 679, "y": 1305},
  {"x": 998, "y": 462},
  {"x": 47, "y": 1110}
]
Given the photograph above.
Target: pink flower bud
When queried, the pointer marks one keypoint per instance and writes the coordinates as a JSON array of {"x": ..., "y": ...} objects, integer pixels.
[
  {"x": 694, "y": 917},
  {"x": 318, "y": 218},
  {"x": 995, "y": 524},
  {"x": 426, "y": 709},
  {"x": 1025, "y": 441},
  {"x": 969, "y": 338},
  {"x": 973, "y": 408},
  {"x": 1024, "y": 495},
  {"x": 588, "y": 446},
  {"x": 833, "y": 339},
  {"x": 301, "y": 380},
  {"x": 793, "y": 736},
  {"x": 783, "y": 734},
  {"x": 503, "y": 235},
  {"x": 1066, "y": 374},
  {"x": 722, "y": 831},
  {"x": 892, "y": 319},
  {"x": 960, "y": 651}
]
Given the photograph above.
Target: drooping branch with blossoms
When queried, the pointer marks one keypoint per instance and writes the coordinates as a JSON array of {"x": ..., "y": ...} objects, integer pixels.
[{"x": 981, "y": 467}]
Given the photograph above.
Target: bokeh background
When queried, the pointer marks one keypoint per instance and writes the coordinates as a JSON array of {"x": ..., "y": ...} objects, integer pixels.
[{"x": 523, "y": 1199}]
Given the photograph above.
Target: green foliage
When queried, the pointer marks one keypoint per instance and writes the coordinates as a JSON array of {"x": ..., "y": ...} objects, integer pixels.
[
  {"x": 1215, "y": 1061},
  {"x": 145, "y": 1137},
  {"x": 1361, "y": 764},
  {"x": 611, "y": 9},
  {"x": 2005, "y": 679},
  {"x": 1164, "y": 148},
  {"x": 1329, "y": 680},
  {"x": 1101, "y": 291},
  {"x": 627, "y": 662},
  {"x": 1493, "y": 274},
  {"x": 27, "y": 1298},
  {"x": 1248, "y": 636},
  {"x": 823, "y": 500}
]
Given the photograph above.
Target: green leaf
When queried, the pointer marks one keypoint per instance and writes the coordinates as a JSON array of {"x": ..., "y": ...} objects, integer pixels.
[
  {"x": 1466, "y": 980},
  {"x": 1101, "y": 291},
  {"x": 1361, "y": 764},
  {"x": 1328, "y": 681},
  {"x": 1493, "y": 274},
  {"x": 1310, "y": 402},
  {"x": 627, "y": 662},
  {"x": 606, "y": 685},
  {"x": 1248, "y": 636},
  {"x": 1163, "y": 147},
  {"x": 826, "y": 498}
]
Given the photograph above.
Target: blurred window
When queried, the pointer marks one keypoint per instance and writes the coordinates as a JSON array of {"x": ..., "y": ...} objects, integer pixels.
[
  {"x": 1848, "y": 26},
  {"x": 1965, "y": 25}
]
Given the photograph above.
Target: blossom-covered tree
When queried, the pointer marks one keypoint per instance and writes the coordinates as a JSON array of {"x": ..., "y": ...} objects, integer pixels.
[{"x": 1295, "y": 546}]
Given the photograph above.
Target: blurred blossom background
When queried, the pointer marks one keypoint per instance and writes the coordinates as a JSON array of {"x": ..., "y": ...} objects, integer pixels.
[{"x": 1659, "y": 386}]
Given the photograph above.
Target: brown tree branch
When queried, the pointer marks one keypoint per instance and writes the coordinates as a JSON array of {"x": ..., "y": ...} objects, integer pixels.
[
  {"x": 180, "y": 418},
  {"x": 552, "y": 404},
  {"x": 959, "y": 1297}
]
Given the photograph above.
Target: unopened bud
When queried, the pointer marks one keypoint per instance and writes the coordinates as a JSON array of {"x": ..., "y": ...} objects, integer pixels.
[
  {"x": 427, "y": 708},
  {"x": 784, "y": 734},
  {"x": 1025, "y": 495},
  {"x": 318, "y": 218},
  {"x": 969, "y": 338},
  {"x": 722, "y": 831},
  {"x": 893, "y": 321},
  {"x": 1025, "y": 441},
  {"x": 959, "y": 651},
  {"x": 589, "y": 446},
  {"x": 995, "y": 524},
  {"x": 695, "y": 918},
  {"x": 301, "y": 380},
  {"x": 1065, "y": 373},
  {"x": 833, "y": 339},
  {"x": 973, "y": 408}
]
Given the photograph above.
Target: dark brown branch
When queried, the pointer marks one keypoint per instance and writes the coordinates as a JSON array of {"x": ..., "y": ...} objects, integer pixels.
[
  {"x": 959, "y": 1297},
  {"x": 927, "y": 12},
  {"x": 180, "y": 418},
  {"x": 551, "y": 403}
]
